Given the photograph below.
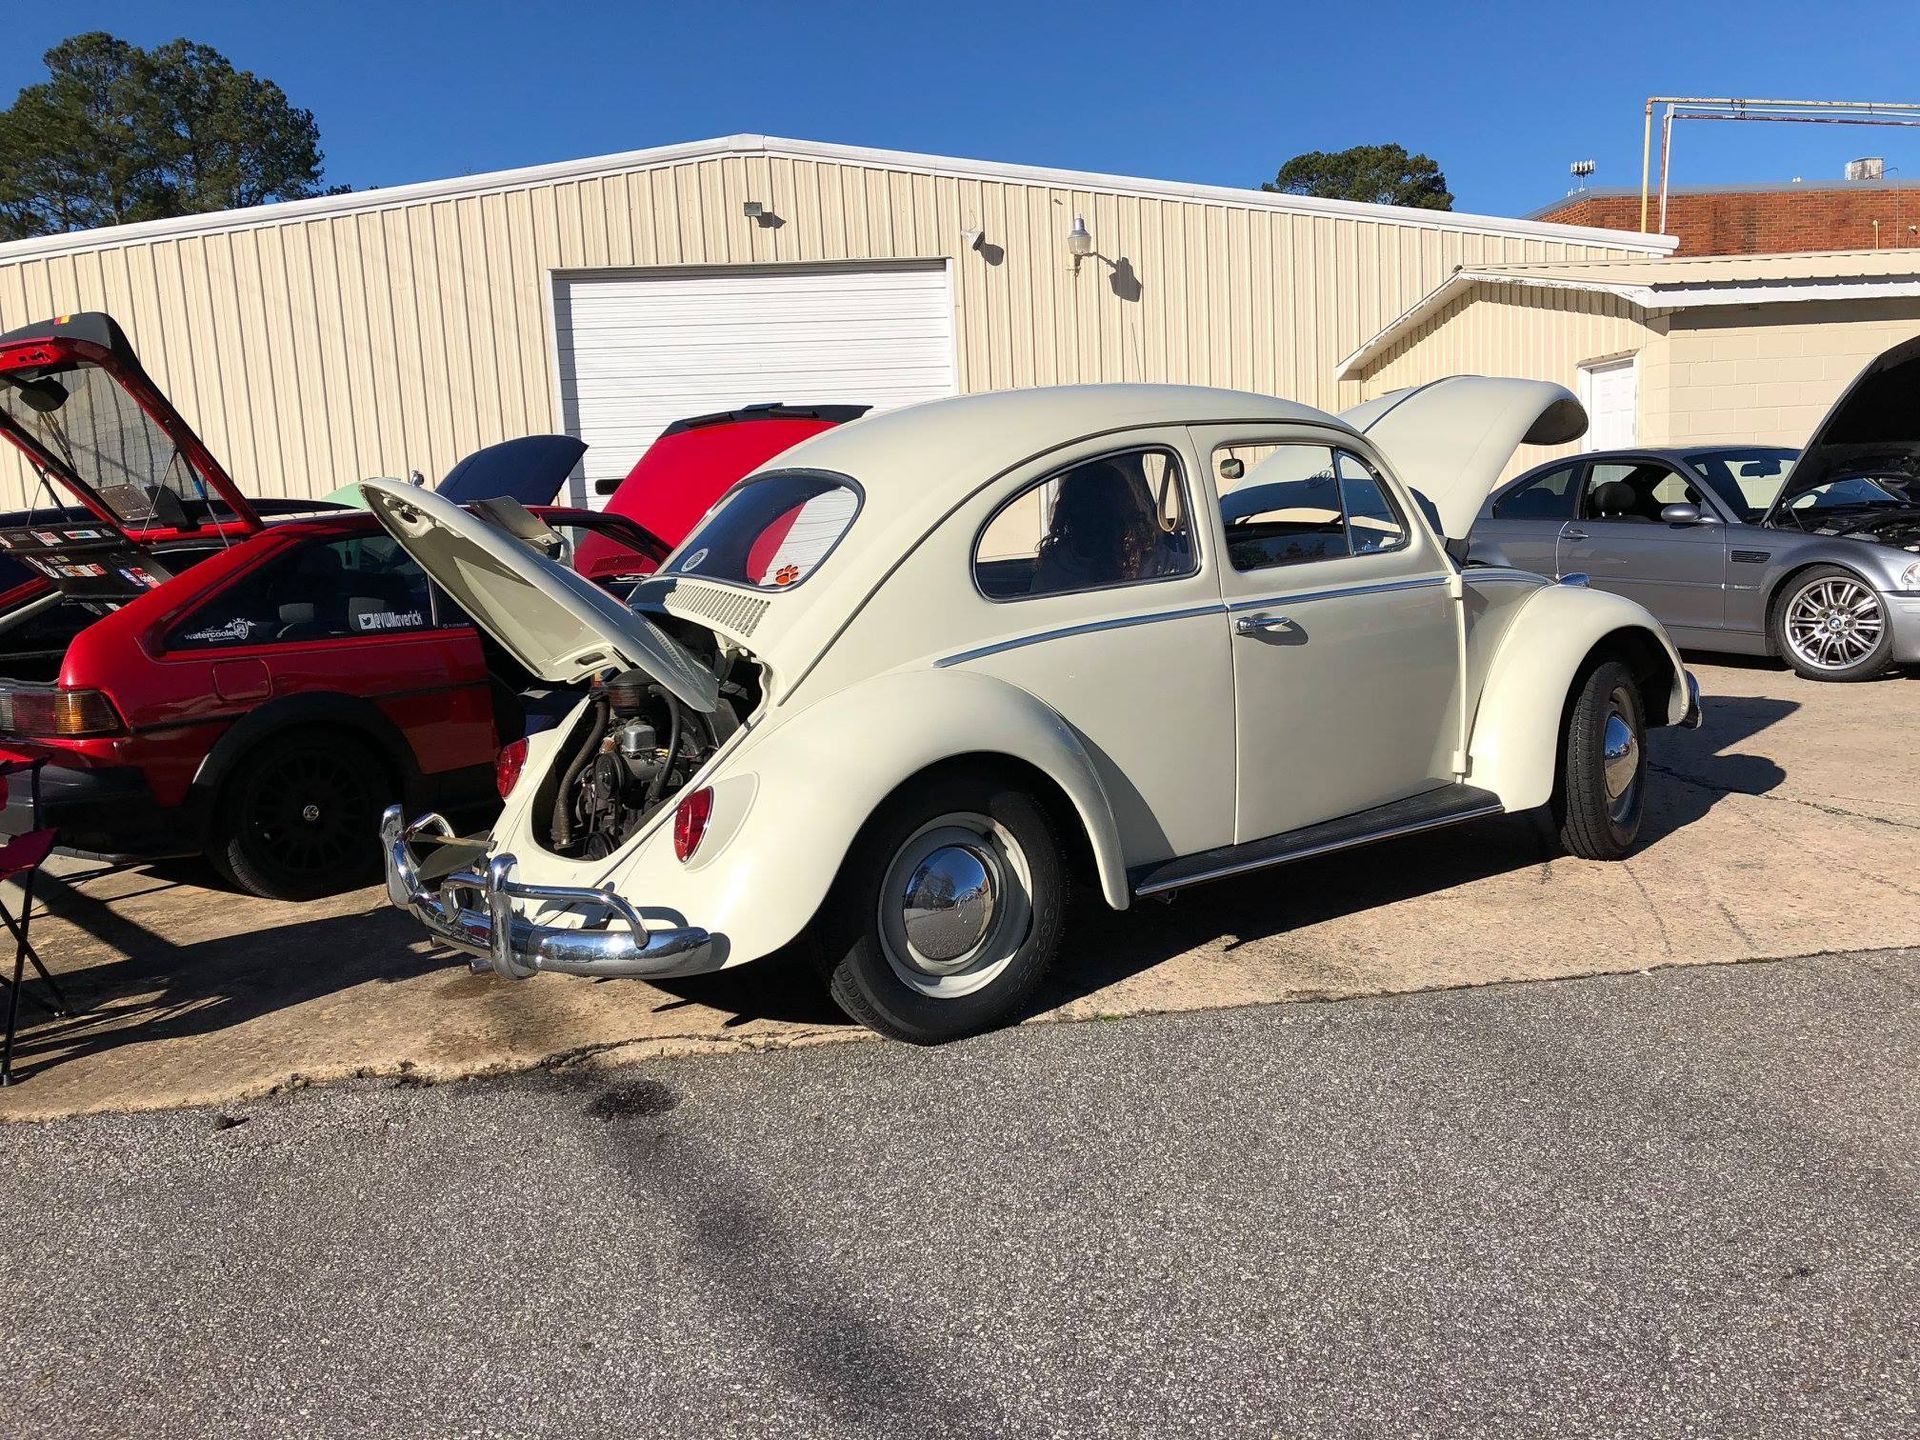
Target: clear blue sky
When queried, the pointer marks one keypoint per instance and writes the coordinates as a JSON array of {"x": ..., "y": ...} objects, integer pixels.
[{"x": 1503, "y": 94}]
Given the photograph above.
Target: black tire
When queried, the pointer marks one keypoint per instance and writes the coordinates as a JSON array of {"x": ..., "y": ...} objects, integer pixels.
[
  {"x": 868, "y": 959},
  {"x": 300, "y": 816},
  {"x": 1829, "y": 624},
  {"x": 1601, "y": 795}
]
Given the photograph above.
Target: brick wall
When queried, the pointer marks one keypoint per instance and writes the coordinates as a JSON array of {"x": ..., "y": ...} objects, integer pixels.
[{"x": 1761, "y": 222}]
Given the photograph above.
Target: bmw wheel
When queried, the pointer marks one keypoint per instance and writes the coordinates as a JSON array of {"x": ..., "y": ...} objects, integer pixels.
[
  {"x": 1829, "y": 624},
  {"x": 948, "y": 911}
]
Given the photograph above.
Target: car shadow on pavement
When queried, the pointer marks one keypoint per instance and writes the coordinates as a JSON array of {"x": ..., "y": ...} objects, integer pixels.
[
  {"x": 1689, "y": 773},
  {"x": 154, "y": 988}
]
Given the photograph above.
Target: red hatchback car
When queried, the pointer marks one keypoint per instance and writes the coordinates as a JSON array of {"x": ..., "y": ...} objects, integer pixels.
[{"x": 202, "y": 680}]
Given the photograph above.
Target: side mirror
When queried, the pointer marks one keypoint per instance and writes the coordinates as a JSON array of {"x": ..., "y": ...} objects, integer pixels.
[{"x": 1681, "y": 514}]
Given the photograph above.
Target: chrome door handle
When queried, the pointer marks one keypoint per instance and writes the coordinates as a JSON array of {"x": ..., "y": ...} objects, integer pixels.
[
  {"x": 1573, "y": 535},
  {"x": 1259, "y": 624}
]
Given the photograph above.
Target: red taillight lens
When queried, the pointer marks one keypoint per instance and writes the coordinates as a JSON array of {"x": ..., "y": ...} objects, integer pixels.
[
  {"x": 68, "y": 714},
  {"x": 690, "y": 818},
  {"x": 507, "y": 766}
]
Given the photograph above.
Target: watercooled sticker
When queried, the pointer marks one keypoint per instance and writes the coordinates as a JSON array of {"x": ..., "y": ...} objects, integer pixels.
[
  {"x": 237, "y": 628},
  {"x": 393, "y": 620}
]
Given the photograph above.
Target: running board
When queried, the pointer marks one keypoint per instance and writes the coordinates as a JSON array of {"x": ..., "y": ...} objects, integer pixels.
[{"x": 1449, "y": 805}]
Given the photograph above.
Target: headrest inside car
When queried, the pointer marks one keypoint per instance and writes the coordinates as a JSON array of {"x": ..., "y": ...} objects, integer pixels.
[{"x": 1614, "y": 497}]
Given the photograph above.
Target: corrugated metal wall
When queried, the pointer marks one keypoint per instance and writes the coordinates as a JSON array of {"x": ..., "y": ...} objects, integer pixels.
[
  {"x": 316, "y": 350},
  {"x": 1539, "y": 333}
]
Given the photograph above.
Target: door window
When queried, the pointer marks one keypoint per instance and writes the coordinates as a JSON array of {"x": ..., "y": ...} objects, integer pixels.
[
  {"x": 365, "y": 585},
  {"x": 1635, "y": 490},
  {"x": 1119, "y": 519},
  {"x": 1289, "y": 503},
  {"x": 1545, "y": 497}
]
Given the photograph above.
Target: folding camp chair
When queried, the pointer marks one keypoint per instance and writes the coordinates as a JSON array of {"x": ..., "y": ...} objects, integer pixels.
[{"x": 20, "y": 859}]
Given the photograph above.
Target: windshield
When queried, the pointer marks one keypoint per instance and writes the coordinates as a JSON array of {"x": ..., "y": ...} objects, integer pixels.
[
  {"x": 1749, "y": 479},
  {"x": 771, "y": 532},
  {"x": 83, "y": 417}
]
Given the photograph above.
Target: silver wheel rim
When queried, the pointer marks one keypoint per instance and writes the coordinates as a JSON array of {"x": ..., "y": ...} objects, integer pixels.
[
  {"x": 955, "y": 905},
  {"x": 1834, "y": 623},
  {"x": 1620, "y": 756}
]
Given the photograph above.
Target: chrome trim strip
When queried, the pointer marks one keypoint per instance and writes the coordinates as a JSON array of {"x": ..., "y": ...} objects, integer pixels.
[
  {"x": 1424, "y": 582},
  {"x": 1123, "y": 622},
  {"x": 1413, "y": 827}
]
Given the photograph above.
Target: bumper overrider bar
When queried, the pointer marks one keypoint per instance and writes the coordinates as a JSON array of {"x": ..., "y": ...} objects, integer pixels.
[{"x": 472, "y": 910}]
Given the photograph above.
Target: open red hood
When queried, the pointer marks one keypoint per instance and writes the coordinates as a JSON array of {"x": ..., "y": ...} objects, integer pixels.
[{"x": 75, "y": 400}]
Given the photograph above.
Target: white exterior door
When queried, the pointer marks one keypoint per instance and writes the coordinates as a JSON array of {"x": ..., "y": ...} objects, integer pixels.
[
  {"x": 1611, "y": 393},
  {"x": 638, "y": 350}
]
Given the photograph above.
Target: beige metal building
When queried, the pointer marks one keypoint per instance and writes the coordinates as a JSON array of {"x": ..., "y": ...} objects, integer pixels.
[
  {"x": 1663, "y": 351},
  {"x": 321, "y": 341}
]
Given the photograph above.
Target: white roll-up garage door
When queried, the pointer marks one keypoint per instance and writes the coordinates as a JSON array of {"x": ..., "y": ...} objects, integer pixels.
[{"x": 640, "y": 350}]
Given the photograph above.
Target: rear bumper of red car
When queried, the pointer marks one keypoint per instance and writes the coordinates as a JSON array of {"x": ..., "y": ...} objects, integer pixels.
[{"x": 108, "y": 812}]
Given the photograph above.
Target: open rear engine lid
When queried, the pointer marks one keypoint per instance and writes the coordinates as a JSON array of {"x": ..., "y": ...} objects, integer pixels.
[{"x": 559, "y": 626}]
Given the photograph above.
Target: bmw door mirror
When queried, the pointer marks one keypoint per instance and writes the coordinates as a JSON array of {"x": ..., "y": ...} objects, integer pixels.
[{"x": 1681, "y": 514}]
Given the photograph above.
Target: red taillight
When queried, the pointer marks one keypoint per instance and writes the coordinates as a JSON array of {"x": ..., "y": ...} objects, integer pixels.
[
  {"x": 690, "y": 818},
  {"x": 67, "y": 714},
  {"x": 507, "y": 766}
]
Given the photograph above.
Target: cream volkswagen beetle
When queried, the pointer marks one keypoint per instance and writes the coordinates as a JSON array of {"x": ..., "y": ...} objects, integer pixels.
[{"x": 899, "y": 689}]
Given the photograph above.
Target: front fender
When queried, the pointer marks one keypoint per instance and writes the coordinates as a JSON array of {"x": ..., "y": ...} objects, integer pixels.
[
  {"x": 789, "y": 802},
  {"x": 1516, "y": 727}
]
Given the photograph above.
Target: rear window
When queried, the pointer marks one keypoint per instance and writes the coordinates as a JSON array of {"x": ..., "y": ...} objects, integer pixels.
[{"x": 771, "y": 533}]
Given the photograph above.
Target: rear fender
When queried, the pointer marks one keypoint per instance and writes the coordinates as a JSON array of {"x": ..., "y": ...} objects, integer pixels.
[
  {"x": 791, "y": 801},
  {"x": 1559, "y": 633}
]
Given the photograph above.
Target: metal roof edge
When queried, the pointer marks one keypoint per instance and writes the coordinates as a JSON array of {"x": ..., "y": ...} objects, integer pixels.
[{"x": 293, "y": 211}]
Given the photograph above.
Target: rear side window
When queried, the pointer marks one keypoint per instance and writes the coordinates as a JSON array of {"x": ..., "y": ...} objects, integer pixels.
[
  {"x": 1545, "y": 497},
  {"x": 771, "y": 533},
  {"x": 1119, "y": 519},
  {"x": 323, "y": 590}
]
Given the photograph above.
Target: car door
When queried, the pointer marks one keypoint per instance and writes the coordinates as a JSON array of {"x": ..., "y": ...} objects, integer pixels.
[
  {"x": 1521, "y": 526},
  {"x": 351, "y": 616},
  {"x": 1618, "y": 539},
  {"x": 1341, "y": 625}
]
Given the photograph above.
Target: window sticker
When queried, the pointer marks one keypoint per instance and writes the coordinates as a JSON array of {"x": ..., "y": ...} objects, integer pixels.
[
  {"x": 238, "y": 628},
  {"x": 392, "y": 620}
]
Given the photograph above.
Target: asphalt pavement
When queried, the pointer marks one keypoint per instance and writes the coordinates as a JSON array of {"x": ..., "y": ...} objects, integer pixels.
[{"x": 1674, "y": 1203}]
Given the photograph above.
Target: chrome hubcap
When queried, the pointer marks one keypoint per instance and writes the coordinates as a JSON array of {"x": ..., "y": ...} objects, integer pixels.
[
  {"x": 310, "y": 813},
  {"x": 1834, "y": 624},
  {"x": 948, "y": 905},
  {"x": 1620, "y": 757},
  {"x": 955, "y": 905},
  {"x": 1623, "y": 755}
]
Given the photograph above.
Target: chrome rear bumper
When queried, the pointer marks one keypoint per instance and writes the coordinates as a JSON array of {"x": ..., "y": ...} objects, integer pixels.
[{"x": 473, "y": 911}]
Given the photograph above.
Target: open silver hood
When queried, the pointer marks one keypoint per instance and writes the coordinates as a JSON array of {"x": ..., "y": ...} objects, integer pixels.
[
  {"x": 558, "y": 625},
  {"x": 1451, "y": 439},
  {"x": 1873, "y": 430}
]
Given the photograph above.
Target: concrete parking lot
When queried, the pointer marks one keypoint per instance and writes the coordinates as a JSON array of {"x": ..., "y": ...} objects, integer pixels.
[{"x": 1785, "y": 827}]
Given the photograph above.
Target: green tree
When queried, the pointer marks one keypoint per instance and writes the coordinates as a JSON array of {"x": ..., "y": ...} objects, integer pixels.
[
  {"x": 1377, "y": 174},
  {"x": 117, "y": 133}
]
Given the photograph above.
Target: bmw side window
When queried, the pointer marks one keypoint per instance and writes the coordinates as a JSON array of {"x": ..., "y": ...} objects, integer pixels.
[
  {"x": 1290, "y": 504},
  {"x": 1545, "y": 497},
  {"x": 1120, "y": 519},
  {"x": 323, "y": 590}
]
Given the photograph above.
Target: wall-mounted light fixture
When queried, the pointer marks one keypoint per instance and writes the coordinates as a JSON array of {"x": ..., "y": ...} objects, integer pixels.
[
  {"x": 753, "y": 209},
  {"x": 972, "y": 238},
  {"x": 1079, "y": 242}
]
